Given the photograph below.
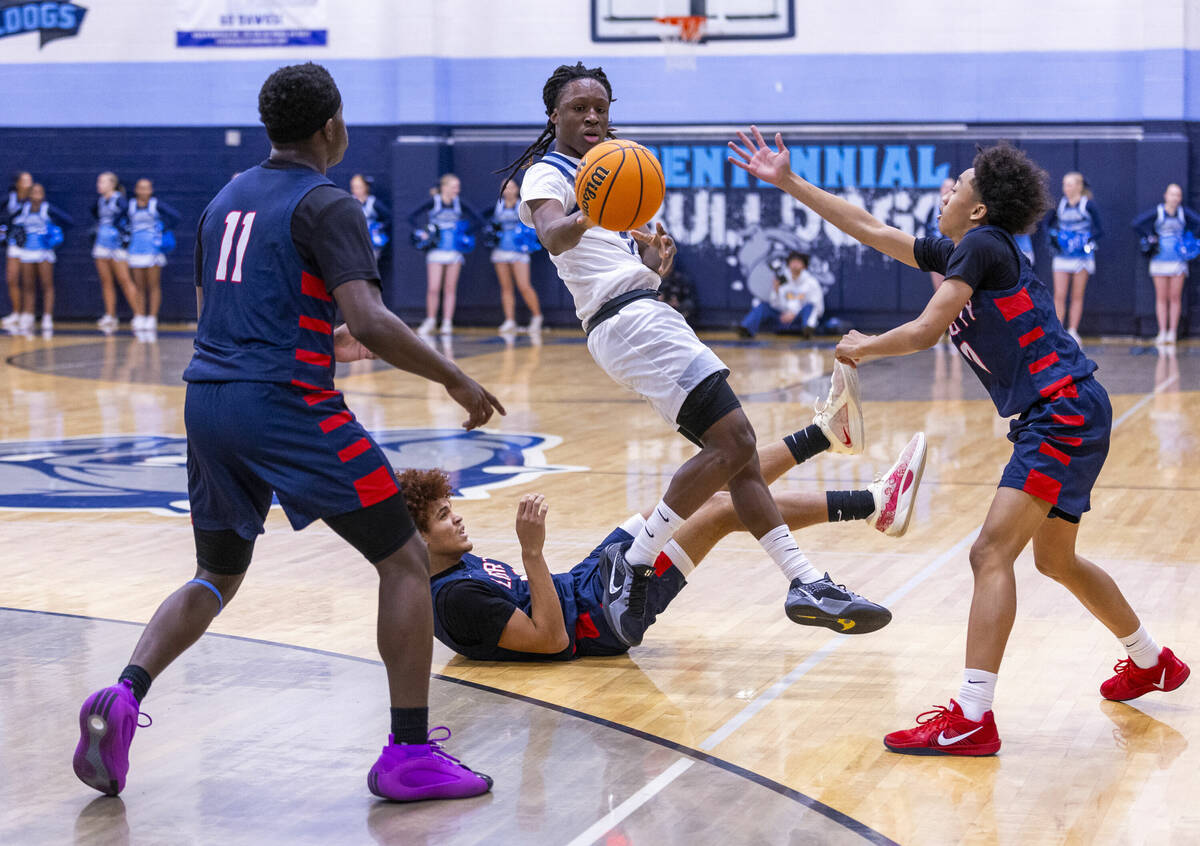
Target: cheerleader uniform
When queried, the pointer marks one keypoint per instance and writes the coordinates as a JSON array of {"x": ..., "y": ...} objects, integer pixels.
[
  {"x": 146, "y": 226},
  {"x": 10, "y": 211},
  {"x": 38, "y": 247},
  {"x": 1167, "y": 259},
  {"x": 1082, "y": 221},
  {"x": 446, "y": 219},
  {"x": 110, "y": 217},
  {"x": 376, "y": 214},
  {"x": 508, "y": 220}
]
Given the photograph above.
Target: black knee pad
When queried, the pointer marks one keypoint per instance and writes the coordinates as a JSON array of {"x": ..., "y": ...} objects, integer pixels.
[
  {"x": 707, "y": 403},
  {"x": 224, "y": 552}
]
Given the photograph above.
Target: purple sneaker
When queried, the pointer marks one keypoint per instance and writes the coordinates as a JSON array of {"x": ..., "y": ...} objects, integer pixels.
[
  {"x": 107, "y": 721},
  {"x": 410, "y": 772}
]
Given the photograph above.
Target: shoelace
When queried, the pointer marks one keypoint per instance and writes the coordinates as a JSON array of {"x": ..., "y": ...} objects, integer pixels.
[
  {"x": 435, "y": 744},
  {"x": 149, "y": 722},
  {"x": 637, "y": 593},
  {"x": 940, "y": 715},
  {"x": 1123, "y": 666}
]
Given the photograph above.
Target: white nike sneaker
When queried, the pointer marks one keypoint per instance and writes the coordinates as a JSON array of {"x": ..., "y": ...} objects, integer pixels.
[
  {"x": 840, "y": 418},
  {"x": 427, "y": 326},
  {"x": 11, "y": 321},
  {"x": 896, "y": 491},
  {"x": 535, "y": 325},
  {"x": 507, "y": 326},
  {"x": 446, "y": 328}
]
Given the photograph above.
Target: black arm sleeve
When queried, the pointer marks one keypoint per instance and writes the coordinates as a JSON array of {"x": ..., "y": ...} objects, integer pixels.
[
  {"x": 330, "y": 233},
  {"x": 472, "y": 614},
  {"x": 933, "y": 254}
]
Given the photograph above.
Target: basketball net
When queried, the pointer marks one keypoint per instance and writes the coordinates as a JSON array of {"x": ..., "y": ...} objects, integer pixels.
[{"x": 681, "y": 37}]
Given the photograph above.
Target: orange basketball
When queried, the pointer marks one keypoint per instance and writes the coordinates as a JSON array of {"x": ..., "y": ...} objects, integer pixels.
[{"x": 619, "y": 185}]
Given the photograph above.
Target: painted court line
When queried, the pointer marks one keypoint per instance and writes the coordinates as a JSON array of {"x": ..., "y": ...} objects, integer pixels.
[{"x": 614, "y": 817}]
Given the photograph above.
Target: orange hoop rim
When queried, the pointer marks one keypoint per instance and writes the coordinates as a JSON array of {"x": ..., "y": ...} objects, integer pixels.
[{"x": 691, "y": 27}]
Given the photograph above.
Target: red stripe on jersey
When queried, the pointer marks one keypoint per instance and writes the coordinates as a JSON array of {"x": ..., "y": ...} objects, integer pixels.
[
  {"x": 1042, "y": 486},
  {"x": 585, "y": 628},
  {"x": 312, "y": 323},
  {"x": 1018, "y": 303},
  {"x": 311, "y": 286},
  {"x": 354, "y": 450},
  {"x": 320, "y": 396},
  {"x": 1031, "y": 336},
  {"x": 306, "y": 386},
  {"x": 310, "y": 357},
  {"x": 1069, "y": 440},
  {"x": 1069, "y": 419},
  {"x": 375, "y": 487},
  {"x": 662, "y": 564},
  {"x": 1056, "y": 386},
  {"x": 1043, "y": 362},
  {"x": 334, "y": 420},
  {"x": 1068, "y": 391},
  {"x": 1057, "y": 454}
]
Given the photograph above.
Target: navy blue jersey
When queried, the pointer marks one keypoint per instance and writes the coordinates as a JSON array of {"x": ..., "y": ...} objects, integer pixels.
[
  {"x": 1008, "y": 331},
  {"x": 267, "y": 316},
  {"x": 510, "y": 589}
]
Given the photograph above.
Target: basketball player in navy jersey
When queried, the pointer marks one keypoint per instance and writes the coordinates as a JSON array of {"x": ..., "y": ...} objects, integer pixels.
[
  {"x": 647, "y": 347},
  {"x": 486, "y": 610},
  {"x": 1002, "y": 319},
  {"x": 277, "y": 251}
]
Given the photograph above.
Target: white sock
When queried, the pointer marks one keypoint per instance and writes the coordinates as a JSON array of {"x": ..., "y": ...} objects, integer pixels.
[
  {"x": 975, "y": 695},
  {"x": 655, "y": 533},
  {"x": 786, "y": 554},
  {"x": 1141, "y": 648},
  {"x": 679, "y": 559}
]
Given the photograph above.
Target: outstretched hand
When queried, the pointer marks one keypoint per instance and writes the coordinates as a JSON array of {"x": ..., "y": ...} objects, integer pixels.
[
  {"x": 531, "y": 522},
  {"x": 478, "y": 402},
  {"x": 756, "y": 158},
  {"x": 348, "y": 348},
  {"x": 660, "y": 242}
]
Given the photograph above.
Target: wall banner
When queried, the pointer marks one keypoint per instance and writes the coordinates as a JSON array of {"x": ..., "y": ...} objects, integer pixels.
[{"x": 251, "y": 23}]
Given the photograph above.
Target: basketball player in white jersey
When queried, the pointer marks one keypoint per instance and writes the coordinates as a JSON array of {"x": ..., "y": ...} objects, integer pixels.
[{"x": 645, "y": 346}]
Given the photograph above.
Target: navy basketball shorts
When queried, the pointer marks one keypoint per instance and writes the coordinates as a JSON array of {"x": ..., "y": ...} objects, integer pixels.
[
  {"x": 1060, "y": 447},
  {"x": 249, "y": 440},
  {"x": 592, "y": 634}
]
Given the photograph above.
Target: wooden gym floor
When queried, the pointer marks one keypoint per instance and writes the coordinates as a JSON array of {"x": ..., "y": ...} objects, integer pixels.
[{"x": 728, "y": 725}]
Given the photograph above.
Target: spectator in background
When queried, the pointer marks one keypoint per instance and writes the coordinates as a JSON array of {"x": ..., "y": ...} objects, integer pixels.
[
  {"x": 377, "y": 214},
  {"x": 1074, "y": 228},
  {"x": 677, "y": 291},
  {"x": 932, "y": 230},
  {"x": 450, "y": 222},
  {"x": 38, "y": 224},
  {"x": 1024, "y": 242},
  {"x": 1164, "y": 231},
  {"x": 796, "y": 303},
  {"x": 18, "y": 193},
  {"x": 108, "y": 252},
  {"x": 150, "y": 220},
  {"x": 510, "y": 258}
]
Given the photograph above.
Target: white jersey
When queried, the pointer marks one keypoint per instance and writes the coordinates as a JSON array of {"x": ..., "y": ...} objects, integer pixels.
[{"x": 604, "y": 263}]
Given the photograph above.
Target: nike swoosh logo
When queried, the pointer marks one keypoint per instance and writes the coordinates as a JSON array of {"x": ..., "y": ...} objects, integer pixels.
[
  {"x": 1162, "y": 679},
  {"x": 946, "y": 741},
  {"x": 613, "y": 588},
  {"x": 650, "y": 533},
  {"x": 970, "y": 681},
  {"x": 660, "y": 515}
]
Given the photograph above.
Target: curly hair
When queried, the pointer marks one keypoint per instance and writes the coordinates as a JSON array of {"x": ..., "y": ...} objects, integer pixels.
[
  {"x": 296, "y": 100},
  {"x": 421, "y": 489},
  {"x": 1012, "y": 186},
  {"x": 562, "y": 76}
]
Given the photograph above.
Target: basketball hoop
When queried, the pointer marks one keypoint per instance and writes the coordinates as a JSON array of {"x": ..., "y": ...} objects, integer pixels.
[{"x": 681, "y": 37}]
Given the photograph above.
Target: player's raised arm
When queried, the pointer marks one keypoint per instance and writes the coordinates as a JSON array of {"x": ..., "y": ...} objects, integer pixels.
[
  {"x": 775, "y": 167},
  {"x": 543, "y": 630}
]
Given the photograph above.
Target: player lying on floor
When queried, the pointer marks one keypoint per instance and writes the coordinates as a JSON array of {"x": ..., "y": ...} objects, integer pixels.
[{"x": 486, "y": 610}]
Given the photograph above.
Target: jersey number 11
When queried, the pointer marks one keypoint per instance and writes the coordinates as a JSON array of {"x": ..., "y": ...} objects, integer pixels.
[{"x": 231, "y": 222}]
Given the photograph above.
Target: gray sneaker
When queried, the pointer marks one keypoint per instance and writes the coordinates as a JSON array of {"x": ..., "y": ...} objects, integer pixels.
[
  {"x": 823, "y": 603},
  {"x": 624, "y": 593}
]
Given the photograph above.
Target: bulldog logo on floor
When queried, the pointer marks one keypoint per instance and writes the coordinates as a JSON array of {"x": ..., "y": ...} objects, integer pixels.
[{"x": 148, "y": 472}]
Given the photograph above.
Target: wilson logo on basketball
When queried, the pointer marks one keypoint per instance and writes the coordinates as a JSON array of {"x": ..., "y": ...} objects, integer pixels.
[{"x": 594, "y": 182}]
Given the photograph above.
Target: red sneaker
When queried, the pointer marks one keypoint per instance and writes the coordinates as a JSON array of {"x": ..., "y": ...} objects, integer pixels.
[
  {"x": 1131, "y": 681},
  {"x": 945, "y": 731}
]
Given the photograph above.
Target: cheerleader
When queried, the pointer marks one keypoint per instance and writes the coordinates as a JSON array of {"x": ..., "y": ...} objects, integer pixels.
[
  {"x": 148, "y": 219},
  {"x": 375, "y": 212},
  {"x": 449, "y": 218},
  {"x": 1163, "y": 231},
  {"x": 510, "y": 258},
  {"x": 18, "y": 193},
  {"x": 1074, "y": 228},
  {"x": 40, "y": 224},
  {"x": 108, "y": 252}
]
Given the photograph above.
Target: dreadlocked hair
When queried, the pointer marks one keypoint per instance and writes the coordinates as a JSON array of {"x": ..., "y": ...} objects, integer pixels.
[
  {"x": 563, "y": 74},
  {"x": 1012, "y": 186}
]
